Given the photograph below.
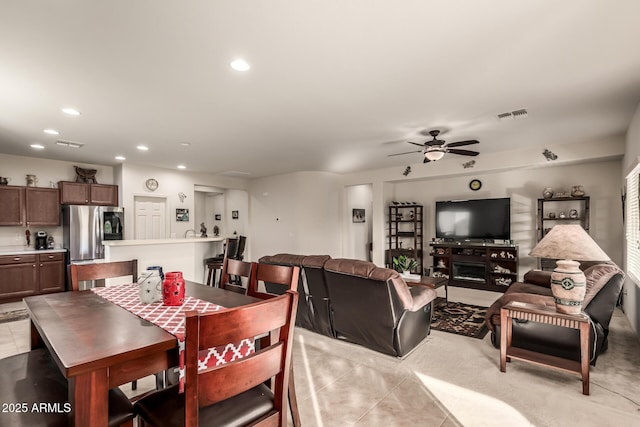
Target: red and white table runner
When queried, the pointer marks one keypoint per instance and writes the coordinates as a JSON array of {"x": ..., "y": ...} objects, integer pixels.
[{"x": 172, "y": 320}]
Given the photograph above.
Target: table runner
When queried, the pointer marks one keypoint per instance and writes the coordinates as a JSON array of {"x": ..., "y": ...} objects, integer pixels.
[{"x": 172, "y": 320}]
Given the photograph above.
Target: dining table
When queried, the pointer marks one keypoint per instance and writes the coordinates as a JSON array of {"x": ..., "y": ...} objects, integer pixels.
[{"x": 99, "y": 345}]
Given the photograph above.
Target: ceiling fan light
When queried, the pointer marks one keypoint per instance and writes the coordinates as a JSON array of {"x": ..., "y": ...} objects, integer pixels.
[{"x": 434, "y": 155}]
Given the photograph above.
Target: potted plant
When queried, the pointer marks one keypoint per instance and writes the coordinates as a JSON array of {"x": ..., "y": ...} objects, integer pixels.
[{"x": 404, "y": 264}]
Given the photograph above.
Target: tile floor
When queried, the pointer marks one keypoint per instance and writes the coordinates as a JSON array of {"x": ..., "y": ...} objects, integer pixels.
[{"x": 448, "y": 380}]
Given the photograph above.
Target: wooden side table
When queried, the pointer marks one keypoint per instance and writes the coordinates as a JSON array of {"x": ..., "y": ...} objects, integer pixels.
[
  {"x": 432, "y": 282},
  {"x": 548, "y": 315}
]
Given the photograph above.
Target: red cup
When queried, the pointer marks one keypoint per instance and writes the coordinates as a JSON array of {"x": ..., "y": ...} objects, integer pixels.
[{"x": 173, "y": 288}]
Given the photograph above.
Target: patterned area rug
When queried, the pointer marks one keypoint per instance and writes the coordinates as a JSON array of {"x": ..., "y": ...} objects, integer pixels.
[
  {"x": 459, "y": 318},
  {"x": 12, "y": 316}
]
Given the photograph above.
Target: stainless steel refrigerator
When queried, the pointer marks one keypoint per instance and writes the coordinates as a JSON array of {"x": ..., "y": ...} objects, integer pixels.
[{"x": 86, "y": 227}]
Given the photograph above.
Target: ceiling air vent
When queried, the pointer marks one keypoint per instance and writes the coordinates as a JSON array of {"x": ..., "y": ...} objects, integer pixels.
[
  {"x": 515, "y": 114},
  {"x": 69, "y": 144},
  {"x": 504, "y": 116}
]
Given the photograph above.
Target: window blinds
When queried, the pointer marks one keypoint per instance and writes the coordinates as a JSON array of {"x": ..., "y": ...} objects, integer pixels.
[{"x": 632, "y": 211}]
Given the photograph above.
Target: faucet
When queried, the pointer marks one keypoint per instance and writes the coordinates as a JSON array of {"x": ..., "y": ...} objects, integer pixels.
[{"x": 186, "y": 233}]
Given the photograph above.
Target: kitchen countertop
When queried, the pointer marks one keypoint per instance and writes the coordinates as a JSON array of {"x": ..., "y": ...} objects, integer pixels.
[
  {"x": 25, "y": 250},
  {"x": 162, "y": 241}
]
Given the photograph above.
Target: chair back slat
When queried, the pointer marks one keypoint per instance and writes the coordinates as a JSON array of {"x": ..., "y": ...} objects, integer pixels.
[
  {"x": 220, "y": 328},
  {"x": 232, "y": 268},
  {"x": 223, "y": 382},
  {"x": 270, "y": 273},
  {"x": 103, "y": 270}
]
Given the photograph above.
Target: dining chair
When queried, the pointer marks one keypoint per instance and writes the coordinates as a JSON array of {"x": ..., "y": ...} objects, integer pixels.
[
  {"x": 102, "y": 270},
  {"x": 231, "y": 246},
  {"x": 233, "y": 393},
  {"x": 261, "y": 274},
  {"x": 33, "y": 378},
  {"x": 232, "y": 273}
]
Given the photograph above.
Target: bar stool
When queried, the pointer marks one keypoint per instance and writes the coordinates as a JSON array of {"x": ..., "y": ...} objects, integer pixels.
[{"x": 231, "y": 250}]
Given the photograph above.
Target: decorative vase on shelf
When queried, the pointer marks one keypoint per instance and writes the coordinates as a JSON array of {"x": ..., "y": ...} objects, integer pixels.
[
  {"x": 577, "y": 191},
  {"x": 547, "y": 193}
]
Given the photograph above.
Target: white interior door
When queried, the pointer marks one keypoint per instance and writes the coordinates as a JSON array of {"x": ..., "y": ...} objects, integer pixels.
[{"x": 151, "y": 218}]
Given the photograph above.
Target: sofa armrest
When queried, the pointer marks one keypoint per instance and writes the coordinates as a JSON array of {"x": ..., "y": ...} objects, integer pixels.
[
  {"x": 422, "y": 295},
  {"x": 538, "y": 277}
]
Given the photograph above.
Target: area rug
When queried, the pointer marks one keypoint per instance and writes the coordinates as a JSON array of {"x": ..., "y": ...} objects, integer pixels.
[
  {"x": 12, "y": 316},
  {"x": 459, "y": 318}
]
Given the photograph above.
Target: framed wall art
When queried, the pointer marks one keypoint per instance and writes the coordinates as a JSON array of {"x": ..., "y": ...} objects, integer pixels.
[
  {"x": 234, "y": 214},
  {"x": 182, "y": 215},
  {"x": 358, "y": 215}
]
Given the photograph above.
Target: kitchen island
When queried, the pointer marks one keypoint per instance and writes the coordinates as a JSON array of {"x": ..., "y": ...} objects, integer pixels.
[{"x": 181, "y": 254}]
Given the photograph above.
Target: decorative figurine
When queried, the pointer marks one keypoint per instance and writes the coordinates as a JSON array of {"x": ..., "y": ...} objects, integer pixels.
[
  {"x": 203, "y": 230},
  {"x": 216, "y": 230}
]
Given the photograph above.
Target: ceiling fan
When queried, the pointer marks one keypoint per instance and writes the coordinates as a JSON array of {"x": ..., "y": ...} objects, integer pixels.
[{"x": 436, "y": 148}]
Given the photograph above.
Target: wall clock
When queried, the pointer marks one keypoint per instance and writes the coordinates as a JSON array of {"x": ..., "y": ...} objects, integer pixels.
[
  {"x": 475, "y": 184},
  {"x": 151, "y": 184}
]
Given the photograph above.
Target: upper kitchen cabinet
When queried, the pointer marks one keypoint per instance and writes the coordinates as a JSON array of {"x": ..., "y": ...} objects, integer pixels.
[
  {"x": 29, "y": 206},
  {"x": 42, "y": 206},
  {"x": 11, "y": 205},
  {"x": 78, "y": 193}
]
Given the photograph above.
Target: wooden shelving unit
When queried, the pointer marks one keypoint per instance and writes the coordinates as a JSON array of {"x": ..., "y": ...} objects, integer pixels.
[{"x": 405, "y": 233}]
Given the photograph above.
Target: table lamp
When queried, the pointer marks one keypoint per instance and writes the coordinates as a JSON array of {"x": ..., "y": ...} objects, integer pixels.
[{"x": 568, "y": 244}]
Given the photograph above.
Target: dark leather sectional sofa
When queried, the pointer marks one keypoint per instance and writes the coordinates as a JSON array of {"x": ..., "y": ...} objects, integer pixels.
[
  {"x": 356, "y": 301},
  {"x": 604, "y": 284}
]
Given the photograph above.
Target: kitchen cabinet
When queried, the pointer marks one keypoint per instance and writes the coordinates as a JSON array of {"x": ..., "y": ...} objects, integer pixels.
[
  {"x": 80, "y": 193},
  {"x": 11, "y": 205},
  {"x": 31, "y": 274},
  {"x": 25, "y": 206},
  {"x": 42, "y": 206}
]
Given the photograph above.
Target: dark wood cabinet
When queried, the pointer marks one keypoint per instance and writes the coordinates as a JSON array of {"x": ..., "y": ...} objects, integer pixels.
[
  {"x": 79, "y": 193},
  {"x": 31, "y": 274},
  {"x": 51, "y": 272},
  {"x": 19, "y": 276},
  {"x": 488, "y": 267},
  {"x": 11, "y": 205},
  {"x": 29, "y": 206},
  {"x": 404, "y": 234},
  {"x": 42, "y": 206}
]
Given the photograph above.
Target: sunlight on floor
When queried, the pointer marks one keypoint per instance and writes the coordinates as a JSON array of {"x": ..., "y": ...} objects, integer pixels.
[
  {"x": 307, "y": 369},
  {"x": 471, "y": 408}
]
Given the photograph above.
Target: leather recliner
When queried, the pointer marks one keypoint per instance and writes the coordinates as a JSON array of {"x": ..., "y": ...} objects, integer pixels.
[
  {"x": 604, "y": 284},
  {"x": 374, "y": 307}
]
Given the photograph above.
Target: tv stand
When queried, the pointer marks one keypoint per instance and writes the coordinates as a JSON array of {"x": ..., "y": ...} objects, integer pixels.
[{"x": 476, "y": 265}]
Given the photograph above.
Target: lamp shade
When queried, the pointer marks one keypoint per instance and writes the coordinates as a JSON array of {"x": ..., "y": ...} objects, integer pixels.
[{"x": 569, "y": 241}]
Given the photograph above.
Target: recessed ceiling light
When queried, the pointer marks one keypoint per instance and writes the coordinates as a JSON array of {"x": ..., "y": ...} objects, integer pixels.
[
  {"x": 51, "y": 131},
  {"x": 185, "y": 144},
  {"x": 142, "y": 147},
  {"x": 37, "y": 146},
  {"x": 71, "y": 111},
  {"x": 240, "y": 65},
  {"x": 121, "y": 158},
  {"x": 182, "y": 167}
]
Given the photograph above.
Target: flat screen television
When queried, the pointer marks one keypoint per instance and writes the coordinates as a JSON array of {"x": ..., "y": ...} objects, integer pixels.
[{"x": 468, "y": 220}]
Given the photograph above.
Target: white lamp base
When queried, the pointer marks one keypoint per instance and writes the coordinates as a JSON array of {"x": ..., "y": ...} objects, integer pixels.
[{"x": 568, "y": 285}]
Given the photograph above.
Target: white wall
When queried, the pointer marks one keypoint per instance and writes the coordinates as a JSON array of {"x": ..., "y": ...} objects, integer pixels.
[
  {"x": 48, "y": 172},
  {"x": 631, "y": 159},
  {"x": 296, "y": 213},
  {"x": 357, "y": 235}
]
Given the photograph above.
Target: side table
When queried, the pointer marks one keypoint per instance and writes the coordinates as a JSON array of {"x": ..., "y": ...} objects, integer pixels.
[
  {"x": 548, "y": 315},
  {"x": 433, "y": 283}
]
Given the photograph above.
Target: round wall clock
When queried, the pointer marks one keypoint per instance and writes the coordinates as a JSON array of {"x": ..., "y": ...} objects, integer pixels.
[
  {"x": 475, "y": 184},
  {"x": 151, "y": 184}
]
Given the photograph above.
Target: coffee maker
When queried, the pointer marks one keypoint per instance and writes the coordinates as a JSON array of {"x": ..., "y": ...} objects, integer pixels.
[{"x": 41, "y": 240}]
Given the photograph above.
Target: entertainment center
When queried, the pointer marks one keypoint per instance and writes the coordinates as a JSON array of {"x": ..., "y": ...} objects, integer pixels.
[{"x": 472, "y": 248}]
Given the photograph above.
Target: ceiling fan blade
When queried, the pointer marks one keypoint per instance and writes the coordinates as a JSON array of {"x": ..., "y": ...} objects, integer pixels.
[
  {"x": 415, "y": 143},
  {"x": 462, "y": 152},
  {"x": 426, "y": 160},
  {"x": 461, "y": 143},
  {"x": 400, "y": 154}
]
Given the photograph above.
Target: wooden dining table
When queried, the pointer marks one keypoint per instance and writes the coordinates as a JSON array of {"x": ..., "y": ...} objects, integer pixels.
[{"x": 98, "y": 345}]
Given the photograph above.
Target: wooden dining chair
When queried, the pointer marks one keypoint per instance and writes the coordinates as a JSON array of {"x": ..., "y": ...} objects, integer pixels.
[
  {"x": 233, "y": 271},
  {"x": 280, "y": 275},
  {"x": 33, "y": 377},
  {"x": 233, "y": 393},
  {"x": 102, "y": 270}
]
